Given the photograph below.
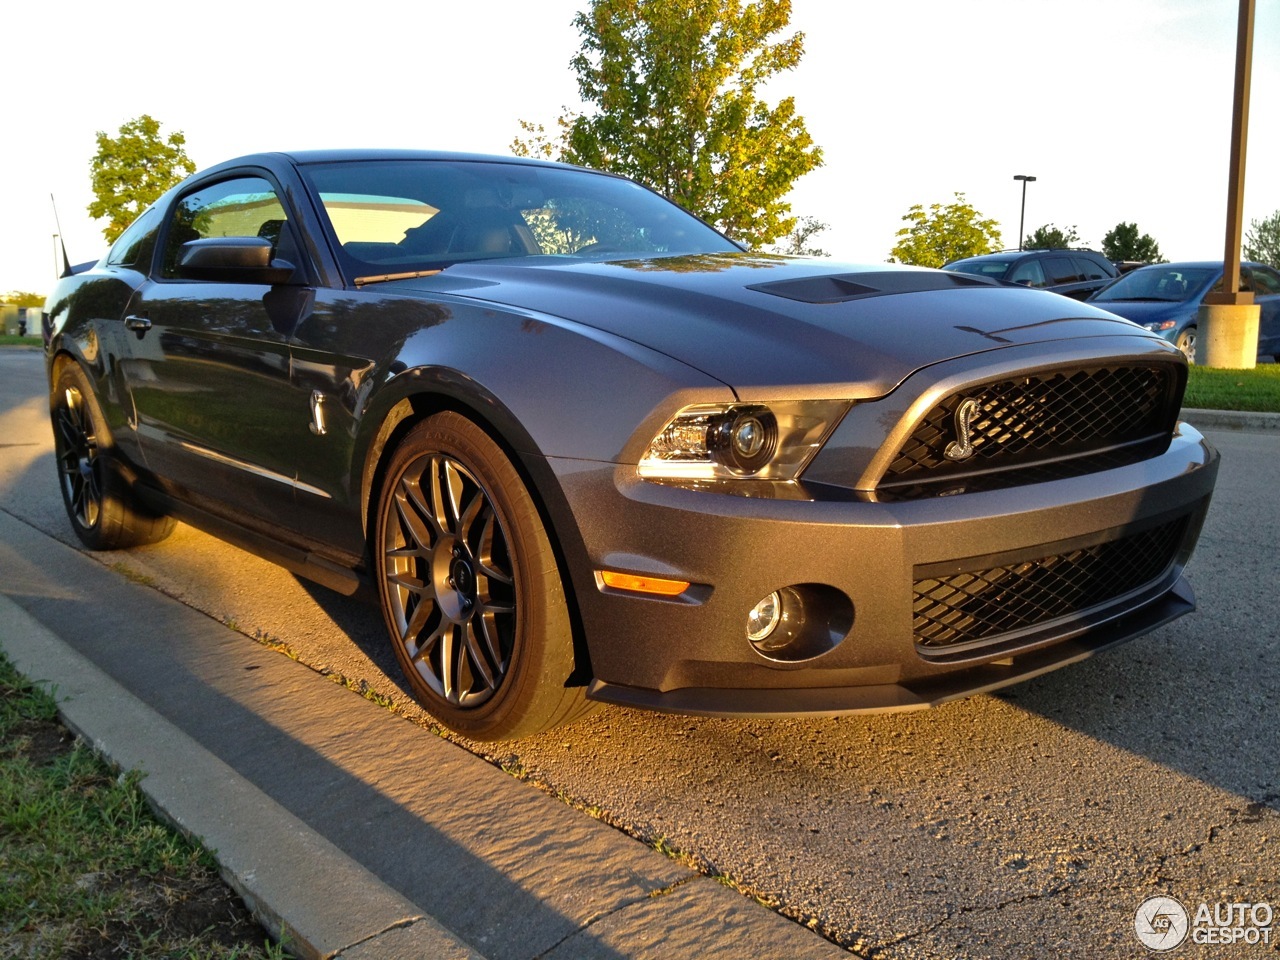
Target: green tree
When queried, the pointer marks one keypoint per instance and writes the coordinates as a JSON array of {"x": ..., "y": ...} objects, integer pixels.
[
  {"x": 1262, "y": 240},
  {"x": 1050, "y": 237},
  {"x": 1123, "y": 242},
  {"x": 21, "y": 298},
  {"x": 942, "y": 234},
  {"x": 671, "y": 88},
  {"x": 129, "y": 172},
  {"x": 799, "y": 242}
]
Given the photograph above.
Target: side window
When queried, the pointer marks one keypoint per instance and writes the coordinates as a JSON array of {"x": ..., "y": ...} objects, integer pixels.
[
  {"x": 133, "y": 248},
  {"x": 1029, "y": 273},
  {"x": 1061, "y": 270},
  {"x": 1262, "y": 280},
  {"x": 243, "y": 207},
  {"x": 1091, "y": 269}
]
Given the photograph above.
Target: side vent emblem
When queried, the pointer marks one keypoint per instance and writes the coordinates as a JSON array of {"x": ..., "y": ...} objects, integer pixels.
[{"x": 962, "y": 447}]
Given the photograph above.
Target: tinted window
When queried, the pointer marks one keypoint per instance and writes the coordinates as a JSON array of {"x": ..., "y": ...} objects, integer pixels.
[
  {"x": 1029, "y": 272},
  {"x": 1061, "y": 270},
  {"x": 1264, "y": 281},
  {"x": 1091, "y": 269},
  {"x": 994, "y": 269},
  {"x": 243, "y": 207},
  {"x": 133, "y": 247}
]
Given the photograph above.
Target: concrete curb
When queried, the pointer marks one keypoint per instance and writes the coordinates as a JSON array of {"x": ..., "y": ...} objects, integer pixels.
[
  {"x": 262, "y": 849},
  {"x": 350, "y": 831},
  {"x": 1231, "y": 419}
]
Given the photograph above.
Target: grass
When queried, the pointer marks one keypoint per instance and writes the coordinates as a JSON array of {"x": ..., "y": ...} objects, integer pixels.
[
  {"x": 86, "y": 870},
  {"x": 1252, "y": 390},
  {"x": 9, "y": 340}
]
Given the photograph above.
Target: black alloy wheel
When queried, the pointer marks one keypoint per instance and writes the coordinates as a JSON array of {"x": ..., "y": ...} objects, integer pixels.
[
  {"x": 79, "y": 467},
  {"x": 469, "y": 585},
  {"x": 96, "y": 490},
  {"x": 450, "y": 580}
]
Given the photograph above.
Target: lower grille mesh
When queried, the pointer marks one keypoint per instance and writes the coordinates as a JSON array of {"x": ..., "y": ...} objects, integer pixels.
[{"x": 984, "y": 604}]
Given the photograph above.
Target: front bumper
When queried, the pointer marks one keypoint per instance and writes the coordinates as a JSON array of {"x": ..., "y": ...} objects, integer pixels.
[{"x": 690, "y": 654}]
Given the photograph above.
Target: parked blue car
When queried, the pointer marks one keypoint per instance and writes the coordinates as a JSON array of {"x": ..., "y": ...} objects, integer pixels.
[{"x": 1165, "y": 298}]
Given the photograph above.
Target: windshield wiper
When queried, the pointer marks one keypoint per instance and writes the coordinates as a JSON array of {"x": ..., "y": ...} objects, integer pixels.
[{"x": 384, "y": 277}]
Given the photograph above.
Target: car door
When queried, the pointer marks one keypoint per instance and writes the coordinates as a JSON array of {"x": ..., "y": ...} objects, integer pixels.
[
  {"x": 209, "y": 367},
  {"x": 1265, "y": 284}
]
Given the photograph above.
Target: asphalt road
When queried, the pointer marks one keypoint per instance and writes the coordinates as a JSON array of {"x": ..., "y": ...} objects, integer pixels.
[{"x": 1030, "y": 823}]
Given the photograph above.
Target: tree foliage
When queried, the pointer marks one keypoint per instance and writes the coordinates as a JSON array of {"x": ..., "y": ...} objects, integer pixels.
[
  {"x": 671, "y": 88},
  {"x": 1123, "y": 242},
  {"x": 22, "y": 298},
  {"x": 1050, "y": 237},
  {"x": 130, "y": 172},
  {"x": 942, "y": 234},
  {"x": 799, "y": 242},
  {"x": 1262, "y": 240}
]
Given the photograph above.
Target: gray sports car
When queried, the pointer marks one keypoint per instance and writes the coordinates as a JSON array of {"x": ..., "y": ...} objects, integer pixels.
[{"x": 583, "y": 448}]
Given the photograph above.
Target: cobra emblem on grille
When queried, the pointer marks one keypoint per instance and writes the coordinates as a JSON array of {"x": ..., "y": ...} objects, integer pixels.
[{"x": 962, "y": 447}]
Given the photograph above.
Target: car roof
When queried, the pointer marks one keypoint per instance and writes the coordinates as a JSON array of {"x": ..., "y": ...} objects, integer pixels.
[
  {"x": 303, "y": 157},
  {"x": 1005, "y": 255},
  {"x": 1193, "y": 265}
]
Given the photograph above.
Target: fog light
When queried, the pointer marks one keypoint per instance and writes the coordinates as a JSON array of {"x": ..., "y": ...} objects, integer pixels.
[
  {"x": 800, "y": 622},
  {"x": 764, "y": 618}
]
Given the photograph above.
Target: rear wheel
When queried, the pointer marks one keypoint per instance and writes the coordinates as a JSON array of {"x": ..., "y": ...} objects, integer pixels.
[
  {"x": 469, "y": 586},
  {"x": 101, "y": 504},
  {"x": 1186, "y": 342}
]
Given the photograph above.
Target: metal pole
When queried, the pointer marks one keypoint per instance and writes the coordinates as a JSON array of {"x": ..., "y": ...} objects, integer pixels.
[
  {"x": 1235, "y": 182},
  {"x": 1022, "y": 219}
]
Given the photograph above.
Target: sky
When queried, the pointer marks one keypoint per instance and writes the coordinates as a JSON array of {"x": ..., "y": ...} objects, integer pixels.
[{"x": 1120, "y": 108}]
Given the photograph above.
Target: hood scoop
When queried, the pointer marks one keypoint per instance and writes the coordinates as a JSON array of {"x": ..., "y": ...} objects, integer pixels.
[{"x": 856, "y": 286}]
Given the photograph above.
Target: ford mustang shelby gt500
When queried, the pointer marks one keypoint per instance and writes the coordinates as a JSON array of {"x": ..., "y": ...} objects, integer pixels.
[{"x": 586, "y": 449}]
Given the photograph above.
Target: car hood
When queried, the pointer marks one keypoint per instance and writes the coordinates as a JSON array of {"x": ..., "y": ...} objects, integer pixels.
[
  {"x": 1147, "y": 311},
  {"x": 766, "y": 324}
]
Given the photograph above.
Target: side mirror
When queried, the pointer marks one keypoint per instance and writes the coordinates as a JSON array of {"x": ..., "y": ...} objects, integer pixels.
[{"x": 232, "y": 260}]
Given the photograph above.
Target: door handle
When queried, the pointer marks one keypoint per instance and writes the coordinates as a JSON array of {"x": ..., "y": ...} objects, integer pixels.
[
  {"x": 317, "y": 413},
  {"x": 138, "y": 325}
]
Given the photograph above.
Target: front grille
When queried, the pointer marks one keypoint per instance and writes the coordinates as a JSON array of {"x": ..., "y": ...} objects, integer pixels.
[
  {"x": 1042, "y": 417},
  {"x": 986, "y": 604}
]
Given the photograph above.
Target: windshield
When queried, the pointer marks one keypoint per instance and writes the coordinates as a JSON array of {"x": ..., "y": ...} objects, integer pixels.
[
  {"x": 1166, "y": 283},
  {"x": 392, "y": 217}
]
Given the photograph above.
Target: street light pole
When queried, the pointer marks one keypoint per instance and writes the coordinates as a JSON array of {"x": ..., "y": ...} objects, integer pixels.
[
  {"x": 1229, "y": 318},
  {"x": 1022, "y": 220}
]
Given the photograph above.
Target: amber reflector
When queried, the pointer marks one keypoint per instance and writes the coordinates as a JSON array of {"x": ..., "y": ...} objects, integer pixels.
[{"x": 654, "y": 585}]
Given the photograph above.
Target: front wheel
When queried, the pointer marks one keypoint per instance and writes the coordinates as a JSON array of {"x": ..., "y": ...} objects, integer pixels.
[
  {"x": 101, "y": 504},
  {"x": 469, "y": 586},
  {"x": 1187, "y": 344}
]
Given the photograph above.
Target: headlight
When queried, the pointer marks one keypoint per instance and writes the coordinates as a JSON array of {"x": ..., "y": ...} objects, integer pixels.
[
  {"x": 758, "y": 441},
  {"x": 1160, "y": 325}
]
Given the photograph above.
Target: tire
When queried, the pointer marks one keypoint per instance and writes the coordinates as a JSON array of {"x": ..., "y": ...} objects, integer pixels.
[
  {"x": 1186, "y": 342},
  {"x": 469, "y": 586},
  {"x": 96, "y": 488}
]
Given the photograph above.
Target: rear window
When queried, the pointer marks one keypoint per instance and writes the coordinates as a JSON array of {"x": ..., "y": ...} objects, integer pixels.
[{"x": 991, "y": 269}]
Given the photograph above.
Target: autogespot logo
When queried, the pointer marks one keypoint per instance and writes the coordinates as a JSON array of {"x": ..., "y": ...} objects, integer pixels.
[{"x": 1161, "y": 923}]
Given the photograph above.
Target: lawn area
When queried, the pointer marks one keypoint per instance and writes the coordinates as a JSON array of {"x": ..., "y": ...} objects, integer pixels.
[
  {"x": 87, "y": 870},
  {"x": 1253, "y": 390},
  {"x": 9, "y": 340}
]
